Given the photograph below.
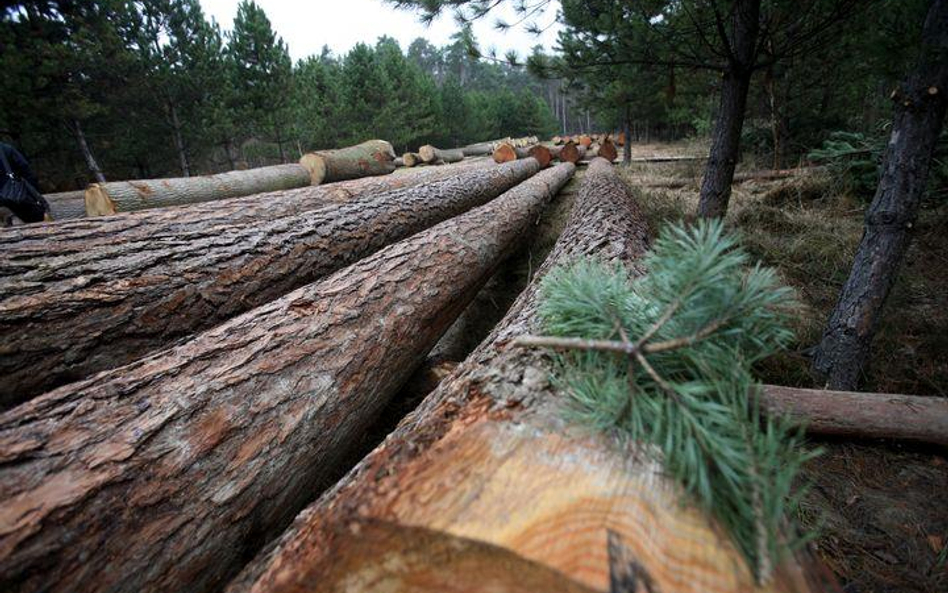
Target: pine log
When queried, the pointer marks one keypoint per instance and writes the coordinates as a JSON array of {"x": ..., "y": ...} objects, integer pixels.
[
  {"x": 374, "y": 157},
  {"x": 668, "y": 158},
  {"x": 505, "y": 153},
  {"x": 164, "y": 474},
  {"x": 412, "y": 159},
  {"x": 430, "y": 154},
  {"x": 607, "y": 150},
  {"x": 863, "y": 415},
  {"x": 399, "y": 162},
  {"x": 541, "y": 153},
  {"x": 488, "y": 457},
  {"x": 82, "y": 296},
  {"x": 763, "y": 175},
  {"x": 481, "y": 149},
  {"x": 103, "y": 199},
  {"x": 592, "y": 152},
  {"x": 572, "y": 153},
  {"x": 585, "y": 141},
  {"x": 67, "y": 205}
]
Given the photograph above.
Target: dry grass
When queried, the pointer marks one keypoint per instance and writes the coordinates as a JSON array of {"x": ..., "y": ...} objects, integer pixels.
[{"x": 882, "y": 508}]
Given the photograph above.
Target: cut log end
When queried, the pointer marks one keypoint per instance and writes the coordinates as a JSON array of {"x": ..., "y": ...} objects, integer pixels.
[
  {"x": 542, "y": 154},
  {"x": 607, "y": 150},
  {"x": 505, "y": 153},
  {"x": 316, "y": 165},
  {"x": 428, "y": 153},
  {"x": 98, "y": 202}
]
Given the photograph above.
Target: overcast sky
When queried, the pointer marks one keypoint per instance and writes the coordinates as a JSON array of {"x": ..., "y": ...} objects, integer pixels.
[{"x": 308, "y": 25}]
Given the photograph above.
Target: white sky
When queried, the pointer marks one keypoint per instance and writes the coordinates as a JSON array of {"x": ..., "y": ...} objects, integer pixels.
[{"x": 307, "y": 25}]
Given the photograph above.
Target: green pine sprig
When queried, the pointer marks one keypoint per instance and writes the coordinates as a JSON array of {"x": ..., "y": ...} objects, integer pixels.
[{"x": 666, "y": 359}]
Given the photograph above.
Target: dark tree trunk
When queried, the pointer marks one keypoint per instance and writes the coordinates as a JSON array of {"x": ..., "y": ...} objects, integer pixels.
[
  {"x": 169, "y": 473},
  {"x": 87, "y": 152},
  {"x": 726, "y": 137},
  {"x": 627, "y": 130},
  {"x": 84, "y": 296},
  {"x": 179, "y": 140},
  {"x": 919, "y": 115}
]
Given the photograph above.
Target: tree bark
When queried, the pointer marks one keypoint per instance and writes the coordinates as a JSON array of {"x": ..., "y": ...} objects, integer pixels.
[
  {"x": 208, "y": 449},
  {"x": 375, "y": 157},
  {"x": 487, "y": 457},
  {"x": 67, "y": 205},
  {"x": 103, "y": 199},
  {"x": 862, "y": 415},
  {"x": 844, "y": 350},
  {"x": 430, "y": 154},
  {"x": 84, "y": 296},
  {"x": 726, "y": 137},
  {"x": 87, "y": 152}
]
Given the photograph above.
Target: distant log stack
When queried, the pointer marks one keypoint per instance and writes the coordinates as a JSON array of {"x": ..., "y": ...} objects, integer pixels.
[
  {"x": 84, "y": 296},
  {"x": 165, "y": 474},
  {"x": 102, "y": 199},
  {"x": 429, "y": 154},
  {"x": 67, "y": 205},
  {"x": 486, "y": 458},
  {"x": 375, "y": 157}
]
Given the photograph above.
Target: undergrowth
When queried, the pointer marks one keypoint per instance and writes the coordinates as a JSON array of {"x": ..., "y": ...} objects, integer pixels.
[{"x": 670, "y": 364}]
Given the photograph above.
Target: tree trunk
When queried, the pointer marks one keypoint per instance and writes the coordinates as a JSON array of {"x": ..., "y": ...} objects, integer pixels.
[
  {"x": 103, "y": 199},
  {"x": 375, "y": 157},
  {"x": 862, "y": 415},
  {"x": 919, "y": 115},
  {"x": 87, "y": 153},
  {"x": 229, "y": 151},
  {"x": 179, "y": 140},
  {"x": 487, "y": 457},
  {"x": 67, "y": 205},
  {"x": 89, "y": 295},
  {"x": 164, "y": 475},
  {"x": 726, "y": 137},
  {"x": 430, "y": 154}
]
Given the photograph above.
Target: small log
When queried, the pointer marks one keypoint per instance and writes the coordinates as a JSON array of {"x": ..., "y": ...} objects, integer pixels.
[
  {"x": 863, "y": 415},
  {"x": 399, "y": 162},
  {"x": 164, "y": 475},
  {"x": 505, "y": 153},
  {"x": 488, "y": 457},
  {"x": 541, "y": 153},
  {"x": 83, "y": 296},
  {"x": 103, "y": 199},
  {"x": 67, "y": 205},
  {"x": 572, "y": 152},
  {"x": 668, "y": 158},
  {"x": 430, "y": 154},
  {"x": 607, "y": 150},
  {"x": 374, "y": 157},
  {"x": 412, "y": 159}
]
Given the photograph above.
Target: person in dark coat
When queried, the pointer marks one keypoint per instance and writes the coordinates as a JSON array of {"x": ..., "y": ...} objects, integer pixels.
[{"x": 26, "y": 203}]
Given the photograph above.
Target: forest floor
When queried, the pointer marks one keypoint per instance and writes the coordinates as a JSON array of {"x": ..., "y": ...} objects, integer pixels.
[{"x": 881, "y": 508}]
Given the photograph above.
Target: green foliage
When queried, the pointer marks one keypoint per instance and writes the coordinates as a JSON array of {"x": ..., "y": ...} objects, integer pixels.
[
  {"x": 699, "y": 320},
  {"x": 853, "y": 156}
]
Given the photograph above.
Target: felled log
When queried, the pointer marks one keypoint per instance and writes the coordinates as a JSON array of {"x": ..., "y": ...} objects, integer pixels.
[
  {"x": 80, "y": 297},
  {"x": 66, "y": 205},
  {"x": 412, "y": 159},
  {"x": 863, "y": 415},
  {"x": 102, "y": 199},
  {"x": 585, "y": 141},
  {"x": 164, "y": 474},
  {"x": 430, "y": 154},
  {"x": 504, "y": 153},
  {"x": 375, "y": 157},
  {"x": 607, "y": 150},
  {"x": 572, "y": 153},
  {"x": 668, "y": 159},
  {"x": 541, "y": 153},
  {"x": 763, "y": 175},
  {"x": 487, "y": 457},
  {"x": 399, "y": 162}
]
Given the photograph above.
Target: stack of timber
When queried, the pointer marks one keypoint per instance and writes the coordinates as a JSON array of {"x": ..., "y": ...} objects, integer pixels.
[
  {"x": 487, "y": 460},
  {"x": 82, "y": 296},
  {"x": 375, "y": 157},
  {"x": 164, "y": 475},
  {"x": 103, "y": 199}
]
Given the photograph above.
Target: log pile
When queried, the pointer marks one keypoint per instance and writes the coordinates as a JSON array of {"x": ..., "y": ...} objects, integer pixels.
[
  {"x": 88, "y": 295},
  {"x": 485, "y": 458},
  {"x": 164, "y": 474}
]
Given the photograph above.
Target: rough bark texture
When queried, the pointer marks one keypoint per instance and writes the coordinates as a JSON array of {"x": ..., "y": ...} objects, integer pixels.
[
  {"x": 164, "y": 474},
  {"x": 103, "y": 199},
  {"x": 919, "y": 115},
  {"x": 726, "y": 136},
  {"x": 375, "y": 157},
  {"x": 487, "y": 457},
  {"x": 863, "y": 415},
  {"x": 83, "y": 296},
  {"x": 67, "y": 205},
  {"x": 430, "y": 154}
]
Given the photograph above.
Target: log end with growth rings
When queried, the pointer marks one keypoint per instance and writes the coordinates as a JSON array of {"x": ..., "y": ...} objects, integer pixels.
[
  {"x": 504, "y": 153},
  {"x": 98, "y": 202}
]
